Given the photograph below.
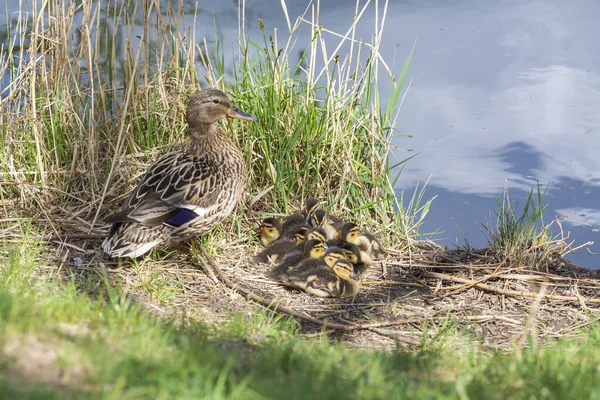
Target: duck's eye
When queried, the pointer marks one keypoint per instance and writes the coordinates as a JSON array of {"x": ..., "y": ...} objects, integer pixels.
[{"x": 216, "y": 101}]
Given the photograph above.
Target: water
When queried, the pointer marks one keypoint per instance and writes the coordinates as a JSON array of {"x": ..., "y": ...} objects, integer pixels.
[{"x": 501, "y": 90}]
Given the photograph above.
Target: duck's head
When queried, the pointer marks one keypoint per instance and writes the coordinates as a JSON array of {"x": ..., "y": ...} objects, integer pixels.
[
  {"x": 344, "y": 269},
  {"x": 352, "y": 253},
  {"x": 317, "y": 233},
  {"x": 314, "y": 248},
  {"x": 310, "y": 207},
  {"x": 299, "y": 234},
  {"x": 318, "y": 217},
  {"x": 269, "y": 230},
  {"x": 350, "y": 232},
  {"x": 210, "y": 105},
  {"x": 332, "y": 255}
]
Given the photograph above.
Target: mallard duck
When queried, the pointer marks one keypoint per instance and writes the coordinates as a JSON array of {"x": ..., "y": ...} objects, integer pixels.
[
  {"x": 310, "y": 249},
  {"x": 359, "y": 258},
  {"x": 269, "y": 230},
  {"x": 303, "y": 217},
  {"x": 297, "y": 233},
  {"x": 282, "y": 246},
  {"x": 293, "y": 220},
  {"x": 316, "y": 277},
  {"x": 276, "y": 251},
  {"x": 184, "y": 193},
  {"x": 317, "y": 233},
  {"x": 329, "y": 222},
  {"x": 310, "y": 206},
  {"x": 362, "y": 239}
]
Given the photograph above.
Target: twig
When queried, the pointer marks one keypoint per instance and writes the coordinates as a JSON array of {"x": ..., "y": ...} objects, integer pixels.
[
  {"x": 271, "y": 304},
  {"x": 506, "y": 292},
  {"x": 55, "y": 237}
]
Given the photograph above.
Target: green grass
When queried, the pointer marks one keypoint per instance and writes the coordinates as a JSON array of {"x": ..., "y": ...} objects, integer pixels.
[
  {"x": 98, "y": 343},
  {"x": 519, "y": 235},
  {"x": 94, "y": 119}
]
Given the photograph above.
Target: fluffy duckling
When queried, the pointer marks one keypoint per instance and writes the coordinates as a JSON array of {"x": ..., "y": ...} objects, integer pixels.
[
  {"x": 363, "y": 239},
  {"x": 310, "y": 207},
  {"x": 293, "y": 220},
  {"x": 329, "y": 222},
  {"x": 276, "y": 251},
  {"x": 286, "y": 243},
  {"x": 297, "y": 233},
  {"x": 312, "y": 249},
  {"x": 269, "y": 230},
  {"x": 359, "y": 258},
  {"x": 316, "y": 277},
  {"x": 317, "y": 233}
]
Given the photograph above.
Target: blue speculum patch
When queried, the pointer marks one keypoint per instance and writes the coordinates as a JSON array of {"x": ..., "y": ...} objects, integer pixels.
[{"x": 182, "y": 217}]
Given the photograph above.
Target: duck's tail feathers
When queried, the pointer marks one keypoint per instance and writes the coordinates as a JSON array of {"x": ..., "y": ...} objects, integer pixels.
[{"x": 123, "y": 242}]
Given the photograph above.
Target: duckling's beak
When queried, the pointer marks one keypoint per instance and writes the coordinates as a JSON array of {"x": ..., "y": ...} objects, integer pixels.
[
  {"x": 239, "y": 114},
  {"x": 354, "y": 276}
]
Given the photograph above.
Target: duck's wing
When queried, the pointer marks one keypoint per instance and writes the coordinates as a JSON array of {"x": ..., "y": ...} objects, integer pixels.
[{"x": 176, "y": 189}]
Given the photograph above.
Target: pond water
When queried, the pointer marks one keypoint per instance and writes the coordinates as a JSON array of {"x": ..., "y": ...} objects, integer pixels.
[{"x": 500, "y": 90}]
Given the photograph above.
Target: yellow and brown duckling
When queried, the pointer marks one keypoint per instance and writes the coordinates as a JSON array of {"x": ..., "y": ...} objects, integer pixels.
[
  {"x": 329, "y": 222},
  {"x": 317, "y": 233},
  {"x": 359, "y": 258},
  {"x": 293, "y": 220},
  {"x": 363, "y": 240},
  {"x": 187, "y": 192},
  {"x": 302, "y": 217},
  {"x": 330, "y": 276},
  {"x": 286, "y": 243},
  {"x": 310, "y": 207},
  {"x": 269, "y": 230},
  {"x": 310, "y": 249}
]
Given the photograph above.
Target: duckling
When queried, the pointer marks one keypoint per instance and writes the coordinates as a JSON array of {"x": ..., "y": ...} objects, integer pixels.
[
  {"x": 319, "y": 279},
  {"x": 269, "y": 230},
  {"x": 276, "y": 251},
  {"x": 359, "y": 258},
  {"x": 329, "y": 222},
  {"x": 310, "y": 207},
  {"x": 311, "y": 249},
  {"x": 317, "y": 233},
  {"x": 283, "y": 245},
  {"x": 186, "y": 192},
  {"x": 297, "y": 233},
  {"x": 363, "y": 239},
  {"x": 293, "y": 220}
]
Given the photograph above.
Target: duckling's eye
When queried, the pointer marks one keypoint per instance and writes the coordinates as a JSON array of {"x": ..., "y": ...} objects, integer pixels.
[{"x": 216, "y": 101}]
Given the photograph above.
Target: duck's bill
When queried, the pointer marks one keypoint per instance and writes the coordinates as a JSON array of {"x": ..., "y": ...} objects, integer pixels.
[
  {"x": 354, "y": 276},
  {"x": 239, "y": 114}
]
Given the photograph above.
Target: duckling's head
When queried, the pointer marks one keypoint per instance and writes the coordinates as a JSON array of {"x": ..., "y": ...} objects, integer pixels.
[
  {"x": 332, "y": 255},
  {"x": 314, "y": 248},
  {"x": 350, "y": 232},
  {"x": 352, "y": 253},
  {"x": 344, "y": 269},
  {"x": 269, "y": 230},
  {"x": 210, "y": 105},
  {"x": 300, "y": 234},
  {"x": 318, "y": 217},
  {"x": 317, "y": 233},
  {"x": 311, "y": 206}
]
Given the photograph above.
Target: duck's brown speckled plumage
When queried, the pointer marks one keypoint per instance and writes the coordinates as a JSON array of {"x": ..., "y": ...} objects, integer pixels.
[{"x": 207, "y": 179}]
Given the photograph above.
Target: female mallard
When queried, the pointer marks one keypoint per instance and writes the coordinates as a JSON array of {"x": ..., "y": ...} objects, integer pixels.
[{"x": 184, "y": 193}]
